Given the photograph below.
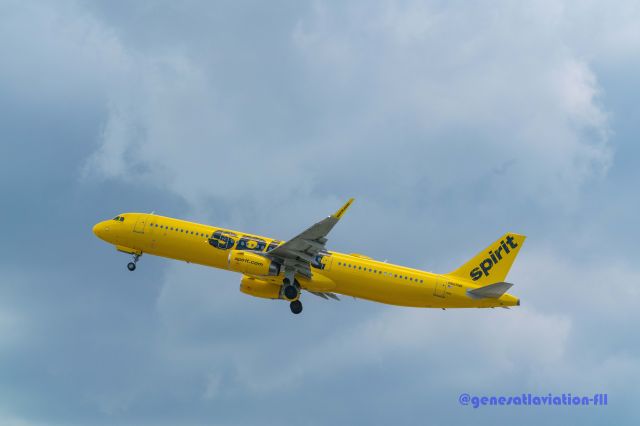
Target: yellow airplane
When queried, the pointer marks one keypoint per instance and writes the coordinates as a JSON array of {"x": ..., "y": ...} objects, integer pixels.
[{"x": 273, "y": 269}]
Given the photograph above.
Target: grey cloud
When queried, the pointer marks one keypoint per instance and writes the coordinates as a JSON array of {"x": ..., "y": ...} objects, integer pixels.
[{"x": 450, "y": 123}]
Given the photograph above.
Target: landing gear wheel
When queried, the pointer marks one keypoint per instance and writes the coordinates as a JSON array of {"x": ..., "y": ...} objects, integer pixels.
[
  {"x": 290, "y": 292},
  {"x": 296, "y": 306},
  {"x": 131, "y": 266}
]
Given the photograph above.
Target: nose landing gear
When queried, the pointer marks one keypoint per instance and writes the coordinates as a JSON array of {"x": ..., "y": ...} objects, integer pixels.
[{"x": 132, "y": 265}]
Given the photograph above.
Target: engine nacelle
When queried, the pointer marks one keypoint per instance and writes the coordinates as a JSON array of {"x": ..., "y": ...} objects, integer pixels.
[
  {"x": 249, "y": 263},
  {"x": 258, "y": 288}
]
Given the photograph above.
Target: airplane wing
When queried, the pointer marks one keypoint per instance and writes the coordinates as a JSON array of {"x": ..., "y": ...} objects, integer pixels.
[{"x": 298, "y": 253}]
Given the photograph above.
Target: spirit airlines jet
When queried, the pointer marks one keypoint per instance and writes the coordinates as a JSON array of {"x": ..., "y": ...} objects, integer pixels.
[{"x": 273, "y": 269}]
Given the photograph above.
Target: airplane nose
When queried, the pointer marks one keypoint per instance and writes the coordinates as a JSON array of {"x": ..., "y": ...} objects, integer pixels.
[
  {"x": 99, "y": 229},
  {"x": 96, "y": 229}
]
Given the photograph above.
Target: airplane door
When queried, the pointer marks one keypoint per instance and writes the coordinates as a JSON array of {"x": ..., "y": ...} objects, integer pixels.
[
  {"x": 140, "y": 224},
  {"x": 152, "y": 233},
  {"x": 440, "y": 288}
]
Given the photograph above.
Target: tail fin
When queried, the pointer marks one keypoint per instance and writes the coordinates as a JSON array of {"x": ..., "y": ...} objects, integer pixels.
[{"x": 492, "y": 264}]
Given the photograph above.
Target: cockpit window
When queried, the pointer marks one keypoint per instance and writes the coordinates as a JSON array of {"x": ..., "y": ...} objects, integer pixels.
[
  {"x": 116, "y": 218},
  {"x": 121, "y": 218}
]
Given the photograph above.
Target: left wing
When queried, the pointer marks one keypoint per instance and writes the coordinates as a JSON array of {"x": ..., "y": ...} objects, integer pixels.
[{"x": 298, "y": 253}]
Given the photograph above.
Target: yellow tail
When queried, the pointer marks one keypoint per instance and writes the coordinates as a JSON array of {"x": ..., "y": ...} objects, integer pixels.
[{"x": 492, "y": 264}]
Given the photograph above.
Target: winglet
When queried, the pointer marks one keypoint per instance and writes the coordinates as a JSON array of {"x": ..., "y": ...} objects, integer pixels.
[{"x": 342, "y": 209}]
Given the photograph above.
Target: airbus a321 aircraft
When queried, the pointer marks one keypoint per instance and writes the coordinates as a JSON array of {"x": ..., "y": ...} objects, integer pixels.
[{"x": 273, "y": 269}]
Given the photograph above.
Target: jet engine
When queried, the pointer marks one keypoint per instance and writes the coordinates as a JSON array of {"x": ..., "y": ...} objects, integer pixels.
[
  {"x": 259, "y": 288},
  {"x": 249, "y": 263}
]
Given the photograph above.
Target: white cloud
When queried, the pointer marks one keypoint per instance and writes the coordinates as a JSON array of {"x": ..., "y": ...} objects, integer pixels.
[
  {"x": 499, "y": 83},
  {"x": 547, "y": 344},
  {"x": 393, "y": 101},
  {"x": 13, "y": 326},
  {"x": 411, "y": 95},
  {"x": 10, "y": 420},
  {"x": 408, "y": 95}
]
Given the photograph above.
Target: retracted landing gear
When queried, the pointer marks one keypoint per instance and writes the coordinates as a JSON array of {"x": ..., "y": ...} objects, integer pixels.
[
  {"x": 296, "y": 306},
  {"x": 132, "y": 265}
]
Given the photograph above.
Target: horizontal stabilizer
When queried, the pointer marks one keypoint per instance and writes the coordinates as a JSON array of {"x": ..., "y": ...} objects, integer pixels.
[{"x": 491, "y": 291}]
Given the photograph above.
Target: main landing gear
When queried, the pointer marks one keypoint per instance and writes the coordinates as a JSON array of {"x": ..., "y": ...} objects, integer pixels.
[
  {"x": 296, "y": 306},
  {"x": 132, "y": 265},
  {"x": 292, "y": 292}
]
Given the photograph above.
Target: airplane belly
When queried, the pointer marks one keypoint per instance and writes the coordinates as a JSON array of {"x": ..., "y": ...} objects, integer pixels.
[{"x": 394, "y": 293}]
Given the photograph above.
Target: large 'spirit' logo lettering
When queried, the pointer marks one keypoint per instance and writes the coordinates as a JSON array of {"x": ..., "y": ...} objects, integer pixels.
[
  {"x": 255, "y": 244},
  {"x": 222, "y": 240},
  {"x": 317, "y": 261},
  {"x": 225, "y": 240},
  {"x": 494, "y": 257}
]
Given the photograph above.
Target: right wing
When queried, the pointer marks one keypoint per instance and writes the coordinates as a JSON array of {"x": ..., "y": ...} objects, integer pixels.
[{"x": 298, "y": 253}]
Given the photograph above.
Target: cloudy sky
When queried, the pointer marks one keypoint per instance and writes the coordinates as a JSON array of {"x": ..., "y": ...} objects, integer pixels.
[{"x": 449, "y": 122}]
